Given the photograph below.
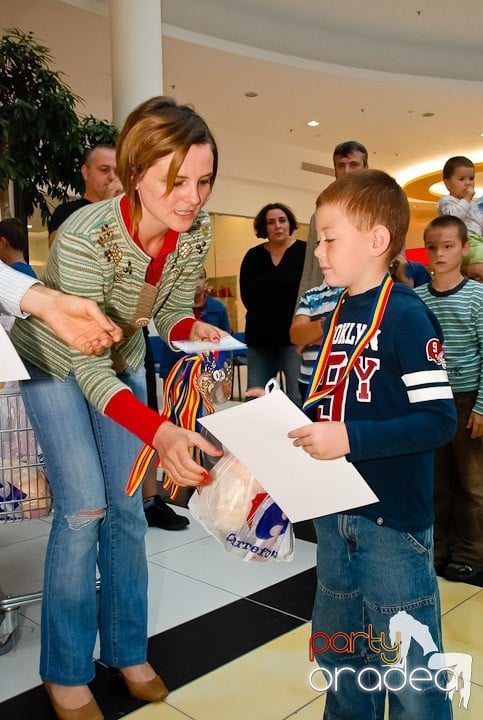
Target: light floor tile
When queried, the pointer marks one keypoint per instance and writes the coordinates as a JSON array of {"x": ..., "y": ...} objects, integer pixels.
[
  {"x": 270, "y": 683},
  {"x": 22, "y": 566},
  {"x": 32, "y": 612},
  {"x": 312, "y": 711},
  {"x": 208, "y": 562},
  {"x": 158, "y": 540},
  {"x": 463, "y": 630},
  {"x": 172, "y": 599},
  {"x": 176, "y": 598},
  {"x": 264, "y": 684},
  {"x": 453, "y": 593},
  {"x": 160, "y": 711},
  {"x": 19, "y": 668},
  {"x": 474, "y": 711},
  {"x": 18, "y": 531}
]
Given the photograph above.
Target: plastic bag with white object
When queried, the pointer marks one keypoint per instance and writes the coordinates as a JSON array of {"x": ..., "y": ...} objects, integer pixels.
[{"x": 237, "y": 511}]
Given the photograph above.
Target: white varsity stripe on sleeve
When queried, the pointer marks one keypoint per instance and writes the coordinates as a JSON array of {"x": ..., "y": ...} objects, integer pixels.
[
  {"x": 427, "y": 385},
  {"x": 441, "y": 392},
  {"x": 425, "y": 377}
]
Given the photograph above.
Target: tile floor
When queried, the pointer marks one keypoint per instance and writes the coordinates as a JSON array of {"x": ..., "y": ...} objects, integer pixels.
[
  {"x": 229, "y": 638},
  {"x": 196, "y": 591}
]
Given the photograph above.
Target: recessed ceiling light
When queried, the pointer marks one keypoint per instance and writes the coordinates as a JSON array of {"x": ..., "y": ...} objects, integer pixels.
[
  {"x": 313, "y": 123},
  {"x": 251, "y": 94}
]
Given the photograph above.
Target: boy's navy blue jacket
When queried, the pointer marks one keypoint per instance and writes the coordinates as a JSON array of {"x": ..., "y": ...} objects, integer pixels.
[{"x": 396, "y": 403}]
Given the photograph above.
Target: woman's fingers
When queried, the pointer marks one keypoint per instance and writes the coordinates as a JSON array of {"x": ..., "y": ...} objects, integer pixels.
[{"x": 172, "y": 444}]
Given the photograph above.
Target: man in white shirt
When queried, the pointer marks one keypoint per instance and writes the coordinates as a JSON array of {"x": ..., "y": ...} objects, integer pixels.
[
  {"x": 78, "y": 321},
  {"x": 347, "y": 157}
]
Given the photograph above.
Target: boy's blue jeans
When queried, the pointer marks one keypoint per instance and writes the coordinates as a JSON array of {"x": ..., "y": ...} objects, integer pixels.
[
  {"x": 88, "y": 459},
  {"x": 366, "y": 575}
]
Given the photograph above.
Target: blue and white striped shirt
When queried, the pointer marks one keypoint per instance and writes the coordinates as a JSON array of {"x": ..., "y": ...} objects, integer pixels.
[
  {"x": 315, "y": 303},
  {"x": 460, "y": 313}
]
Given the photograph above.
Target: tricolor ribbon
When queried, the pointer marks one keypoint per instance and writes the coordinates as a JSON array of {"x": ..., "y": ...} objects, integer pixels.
[
  {"x": 318, "y": 388},
  {"x": 183, "y": 404}
]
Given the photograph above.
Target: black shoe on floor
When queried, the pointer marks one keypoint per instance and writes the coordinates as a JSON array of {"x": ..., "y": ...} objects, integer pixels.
[
  {"x": 460, "y": 572},
  {"x": 159, "y": 514}
]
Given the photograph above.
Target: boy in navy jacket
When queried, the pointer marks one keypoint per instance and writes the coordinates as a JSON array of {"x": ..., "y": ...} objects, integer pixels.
[{"x": 381, "y": 397}]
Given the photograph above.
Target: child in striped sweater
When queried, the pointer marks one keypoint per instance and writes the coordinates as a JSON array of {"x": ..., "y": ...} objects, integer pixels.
[{"x": 457, "y": 302}]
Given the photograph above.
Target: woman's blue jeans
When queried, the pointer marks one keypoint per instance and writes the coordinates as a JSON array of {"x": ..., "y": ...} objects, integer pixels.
[
  {"x": 264, "y": 362},
  {"x": 369, "y": 575},
  {"x": 88, "y": 459}
]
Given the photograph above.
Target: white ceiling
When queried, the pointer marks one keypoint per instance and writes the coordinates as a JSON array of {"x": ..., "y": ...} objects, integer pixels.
[{"x": 366, "y": 69}]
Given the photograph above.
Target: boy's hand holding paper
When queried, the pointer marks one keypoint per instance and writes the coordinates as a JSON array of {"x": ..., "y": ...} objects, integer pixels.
[
  {"x": 322, "y": 441},
  {"x": 257, "y": 432}
]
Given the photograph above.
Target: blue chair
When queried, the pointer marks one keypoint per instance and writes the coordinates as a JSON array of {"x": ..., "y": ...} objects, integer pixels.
[{"x": 164, "y": 357}]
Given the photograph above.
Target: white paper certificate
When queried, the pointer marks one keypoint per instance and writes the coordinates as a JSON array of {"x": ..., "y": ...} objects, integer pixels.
[
  {"x": 227, "y": 342},
  {"x": 11, "y": 367},
  {"x": 256, "y": 433}
]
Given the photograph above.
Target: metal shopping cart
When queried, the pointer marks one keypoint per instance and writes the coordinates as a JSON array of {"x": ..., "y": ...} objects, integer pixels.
[{"x": 24, "y": 493}]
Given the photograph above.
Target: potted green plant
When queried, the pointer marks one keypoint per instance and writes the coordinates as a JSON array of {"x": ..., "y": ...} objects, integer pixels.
[{"x": 42, "y": 138}]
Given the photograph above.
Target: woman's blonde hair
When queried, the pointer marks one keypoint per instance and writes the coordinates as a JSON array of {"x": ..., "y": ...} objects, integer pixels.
[{"x": 156, "y": 128}]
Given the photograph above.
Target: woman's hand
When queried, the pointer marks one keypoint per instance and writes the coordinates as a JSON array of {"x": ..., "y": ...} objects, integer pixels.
[
  {"x": 78, "y": 321},
  {"x": 172, "y": 443},
  {"x": 204, "y": 331},
  {"x": 322, "y": 440}
]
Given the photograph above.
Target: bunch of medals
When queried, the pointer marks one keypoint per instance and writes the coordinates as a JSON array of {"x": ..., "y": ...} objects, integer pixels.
[{"x": 215, "y": 383}]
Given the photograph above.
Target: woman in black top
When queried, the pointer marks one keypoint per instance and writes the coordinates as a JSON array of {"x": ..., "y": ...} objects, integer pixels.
[{"x": 269, "y": 279}]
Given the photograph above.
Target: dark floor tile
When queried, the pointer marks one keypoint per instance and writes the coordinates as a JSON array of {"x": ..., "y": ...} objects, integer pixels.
[
  {"x": 186, "y": 652},
  {"x": 112, "y": 695},
  {"x": 31, "y": 704},
  {"x": 109, "y": 691},
  {"x": 195, "y": 648},
  {"x": 305, "y": 530},
  {"x": 294, "y": 595}
]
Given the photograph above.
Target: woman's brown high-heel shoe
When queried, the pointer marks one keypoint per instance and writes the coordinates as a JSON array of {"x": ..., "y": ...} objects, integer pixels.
[
  {"x": 150, "y": 690},
  {"x": 89, "y": 711}
]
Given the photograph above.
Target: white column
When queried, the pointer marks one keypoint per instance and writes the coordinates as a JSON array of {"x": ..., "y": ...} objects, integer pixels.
[{"x": 136, "y": 54}]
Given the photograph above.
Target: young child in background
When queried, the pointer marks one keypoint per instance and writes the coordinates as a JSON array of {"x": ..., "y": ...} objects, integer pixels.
[
  {"x": 459, "y": 179},
  {"x": 382, "y": 398},
  {"x": 13, "y": 246},
  {"x": 307, "y": 327},
  {"x": 457, "y": 302}
]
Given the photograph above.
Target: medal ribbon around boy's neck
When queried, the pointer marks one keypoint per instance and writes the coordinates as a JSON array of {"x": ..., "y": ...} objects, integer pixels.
[{"x": 373, "y": 323}]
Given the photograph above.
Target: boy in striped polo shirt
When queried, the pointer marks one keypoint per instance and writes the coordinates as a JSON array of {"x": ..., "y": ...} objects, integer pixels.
[
  {"x": 307, "y": 327},
  {"x": 457, "y": 302}
]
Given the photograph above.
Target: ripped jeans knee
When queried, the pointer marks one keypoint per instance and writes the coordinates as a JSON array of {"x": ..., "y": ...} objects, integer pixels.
[{"x": 84, "y": 518}]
